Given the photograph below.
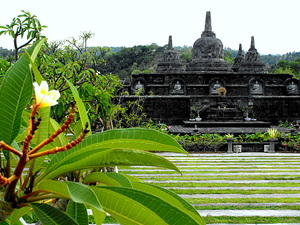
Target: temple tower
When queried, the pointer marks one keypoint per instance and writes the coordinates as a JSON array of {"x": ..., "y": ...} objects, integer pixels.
[
  {"x": 252, "y": 62},
  {"x": 170, "y": 62},
  {"x": 208, "y": 52},
  {"x": 238, "y": 59}
]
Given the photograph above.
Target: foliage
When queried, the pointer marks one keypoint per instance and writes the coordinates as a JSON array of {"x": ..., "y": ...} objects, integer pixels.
[
  {"x": 23, "y": 26},
  {"x": 76, "y": 63},
  {"x": 204, "y": 142},
  {"x": 71, "y": 169},
  {"x": 130, "y": 113},
  {"x": 292, "y": 67},
  {"x": 128, "y": 60}
]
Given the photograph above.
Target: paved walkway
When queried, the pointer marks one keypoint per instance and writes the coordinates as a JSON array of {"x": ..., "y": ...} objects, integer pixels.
[{"x": 219, "y": 166}]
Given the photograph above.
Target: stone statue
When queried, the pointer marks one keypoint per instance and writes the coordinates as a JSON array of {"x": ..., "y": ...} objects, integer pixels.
[
  {"x": 257, "y": 88},
  {"x": 215, "y": 87},
  {"x": 138, "y": 86},
  {"x": 177, "y": 88},
  {"x": 292, "y": 88}
]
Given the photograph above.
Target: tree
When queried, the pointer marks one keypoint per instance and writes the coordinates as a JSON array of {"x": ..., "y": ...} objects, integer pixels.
[{"x": 23, "y": 26}]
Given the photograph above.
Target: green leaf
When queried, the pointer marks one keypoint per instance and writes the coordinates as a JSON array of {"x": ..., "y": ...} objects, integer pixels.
[
  {"x": 61, "y": 139},
  {"x": 131, "y": 138},
  {"x": 171, "y": 198},
  {"x": 43, "y": 132},
  {"x": 91, "y": 157},
  {"x": 15, "y": 94},
  {"x": 138, "y": 207},
  {"x": 111, "y": 179},
  {"x": 78, "y": 212},
  {"x": 81, "y": 108},
  {"x": 99, "y": 216},
  {"x": 78, "y": 192},
  {"x": 18, "y": 213},
  {"x": 51, "y": 216}
]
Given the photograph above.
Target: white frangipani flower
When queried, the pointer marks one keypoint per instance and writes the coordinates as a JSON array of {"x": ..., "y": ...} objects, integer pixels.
[{"x": 45, "y": 98}]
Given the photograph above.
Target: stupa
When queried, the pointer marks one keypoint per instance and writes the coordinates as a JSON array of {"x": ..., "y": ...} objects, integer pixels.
[{"x": 221, "y": 94}]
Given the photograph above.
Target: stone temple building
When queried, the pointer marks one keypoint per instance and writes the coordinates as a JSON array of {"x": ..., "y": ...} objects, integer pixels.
[{"x": 221, "y": 94}]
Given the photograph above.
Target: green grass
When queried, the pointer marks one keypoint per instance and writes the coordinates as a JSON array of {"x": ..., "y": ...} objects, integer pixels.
[
  {"x": 227, "y": 185},
  {"x": 250, "y": 219},
  {"x": 225, "y": 178},
  {"x": 228, "y": 191},
  {"x": 241, "y": 200},
  {"x": 214, "y": 207}
]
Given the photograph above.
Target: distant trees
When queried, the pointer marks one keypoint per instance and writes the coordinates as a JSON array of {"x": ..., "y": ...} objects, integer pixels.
[
  {"x": 288, "y": 67},
  {"x": 127, "y": 60},
  {"x": 25, "y": 26}
]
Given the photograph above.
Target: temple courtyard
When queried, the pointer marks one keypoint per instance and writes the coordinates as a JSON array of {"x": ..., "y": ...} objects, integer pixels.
[{"x": 238, "y": 188}]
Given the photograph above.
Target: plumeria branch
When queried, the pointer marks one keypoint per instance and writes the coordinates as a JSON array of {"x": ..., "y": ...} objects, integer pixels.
[
  {"x": 56, "y": 133},
  {"x": 63, "y": 148},
  {"x": 5, "y": 146}
]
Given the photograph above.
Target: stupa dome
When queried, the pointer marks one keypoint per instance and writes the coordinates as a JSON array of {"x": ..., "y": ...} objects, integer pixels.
[{"x": 208, "y": 51}]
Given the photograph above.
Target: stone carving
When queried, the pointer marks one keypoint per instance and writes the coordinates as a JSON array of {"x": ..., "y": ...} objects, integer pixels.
[
  {"x": 215, "y": 87},
  {"x": 256, "y": 88},
  {"x": 177, "y": 88},
  {"x": 139, "y": 86},
  {"x": 292, "y": 88}
]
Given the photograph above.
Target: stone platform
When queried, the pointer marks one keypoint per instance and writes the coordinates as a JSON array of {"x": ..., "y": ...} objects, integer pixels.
[{"x": 180, "y": 129}]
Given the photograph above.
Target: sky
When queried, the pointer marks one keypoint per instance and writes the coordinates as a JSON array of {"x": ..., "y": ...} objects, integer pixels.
[{"x": 273, "y": 23}]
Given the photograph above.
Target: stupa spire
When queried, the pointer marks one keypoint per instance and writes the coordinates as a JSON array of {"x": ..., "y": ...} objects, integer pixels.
[
  {"x": 252, "y": 46},
  {"x": 208, "y": 22},
  {"x": 207, "y": 29},
  {"x": 170, "y": 43}
]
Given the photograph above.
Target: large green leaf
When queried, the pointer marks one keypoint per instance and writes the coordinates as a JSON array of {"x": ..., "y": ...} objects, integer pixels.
[
  {"x": 90, "y": 157},
  {"x": 131, "y": 138},
  {"x": 131, "y": 206},
  {"x": 171, "y": 198},
  {"x": 78, "y": 212},
  {"x": 51, "y": 216},
  {"x": 81, "y": 108},
  {"x": 111, "y": 179},
  {"x": 15, "y": 94},
  {"x": 18, "y": 213},
  {"x": 76, "y": 191}
]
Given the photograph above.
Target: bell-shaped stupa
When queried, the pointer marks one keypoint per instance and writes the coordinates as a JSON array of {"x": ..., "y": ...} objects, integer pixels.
[{"x": 208, "y": 52}]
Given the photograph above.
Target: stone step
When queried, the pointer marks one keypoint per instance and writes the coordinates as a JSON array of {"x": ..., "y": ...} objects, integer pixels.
[
  {"x": 212, "y": 170},
  {"x": 235, "y": 188},
  {"x": 214, "y": 166},
  {"x": 223, "y": 181},
  {"x": 240, "y": 196},
  {"x": 214, "y": 174},
  {"x": 242, "y": 213},
  {"x": 269, "y": 204}
]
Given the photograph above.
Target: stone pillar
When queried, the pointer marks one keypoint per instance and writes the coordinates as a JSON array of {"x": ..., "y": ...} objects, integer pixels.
[{"x": 229, "y": 145}]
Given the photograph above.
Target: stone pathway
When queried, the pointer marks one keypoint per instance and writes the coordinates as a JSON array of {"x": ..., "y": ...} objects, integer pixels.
[{"x": 254, "y": 172}]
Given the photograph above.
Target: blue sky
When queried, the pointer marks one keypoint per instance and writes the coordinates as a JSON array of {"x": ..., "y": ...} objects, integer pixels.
[{"x": 273, "y": 23}]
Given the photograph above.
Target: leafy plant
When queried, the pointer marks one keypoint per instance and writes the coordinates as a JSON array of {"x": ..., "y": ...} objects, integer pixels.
[{"x": 54, "y": 163}]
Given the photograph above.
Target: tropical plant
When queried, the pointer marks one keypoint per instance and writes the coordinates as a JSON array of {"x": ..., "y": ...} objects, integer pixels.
[
  {"x": 54, "y": 163},
  {"x": 23, "y": 26},
  {"x": 273, "y": 133}
]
